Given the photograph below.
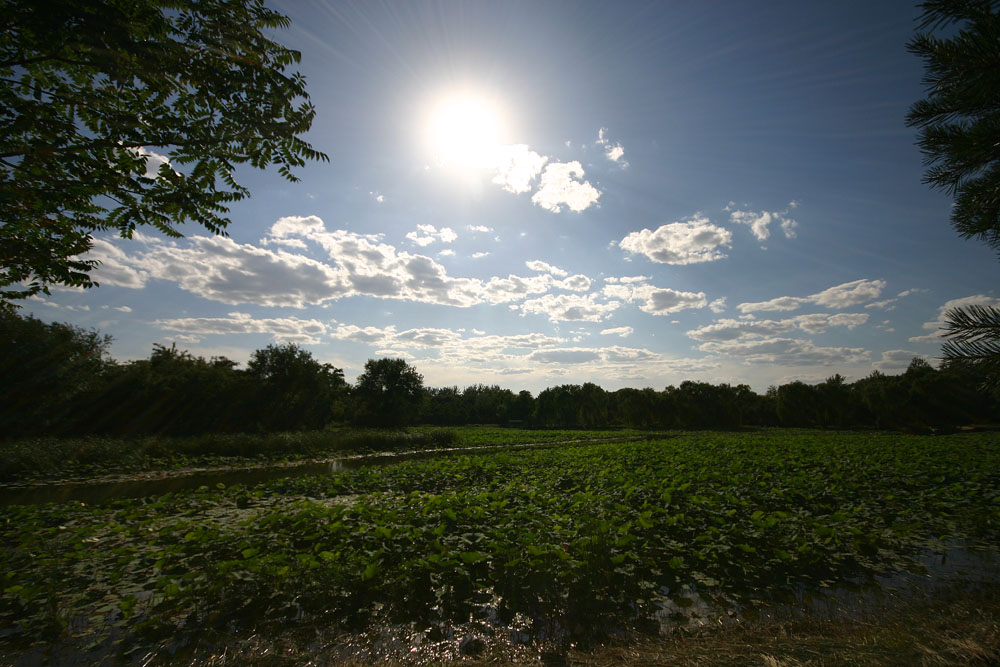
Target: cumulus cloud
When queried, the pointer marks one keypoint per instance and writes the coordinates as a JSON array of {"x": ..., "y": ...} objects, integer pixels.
[
  {"x": 517, "y": 167},
  {"x": 542, "y": 267},
  {"x": 425, "y": 235},
  {"x": 656, "y": 300},
  {"x": 690, "y": 242},
  {"x": 570, "y": 307},
  {"x": 575, "y": 283},
  {"x": 560, "y": 186},
  {"x": 624, "y": 332},
  {"x": 838, "y": 296},
  {"x": 760, "y": 221},
  {"x": 479, "y": 228},
  {"x": 666, "y": 301},
  {"x": 718, "y": 306},
  {"x": 730, "y": 329},
  {"x": 570, "y": 355},
  {"x": 480, "y": 255},
  {"x": 937, "y": 326},
  {"x": 116, "y": 268},
  {"x": 289, "y": 329},
  {"x": 785, "y": 352}
]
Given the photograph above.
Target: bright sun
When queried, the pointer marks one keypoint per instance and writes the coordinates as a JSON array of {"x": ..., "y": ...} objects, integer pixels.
[{"x": 466, "y": 130}]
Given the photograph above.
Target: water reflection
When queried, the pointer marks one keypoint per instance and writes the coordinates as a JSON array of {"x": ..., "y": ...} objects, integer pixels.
[{"x": 102, "y": 492}]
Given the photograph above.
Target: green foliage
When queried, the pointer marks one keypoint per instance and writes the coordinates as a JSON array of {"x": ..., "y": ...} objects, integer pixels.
[
  {"x": 294, "y": 391},
  {"x": 959, "y": 120},
  {"x": 388, "y": 393},
  {"x": 45, "y": 369},
  {"x": 959, "y": 125},
  {"x": 92, "y": 94},
  {"x": 973, "y": 334},
  {"x": 593, "y": 538}
]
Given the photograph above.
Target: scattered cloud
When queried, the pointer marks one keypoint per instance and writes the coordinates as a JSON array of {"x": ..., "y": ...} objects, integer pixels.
[
  {"x": 479, "y": 228},
  {"x": 560, "y": 187},
  {"x": 718, "y": 306},
  {"x": 613, "y": 151},
  {"x": 690, "y": 242},
  {"x": 480, "y": 255},
  {"x": 760, "y": 221},
  {"x": 624, "y": 332},
  {"x": 937, "y": 326},
  {"x": 816, "y": 323},
  {"x": 785, "y": 352},
  {"x": 289, "y": 329},
  {"x": 570, "y": 307},
  {"x": 425, "y": 235},
  {"x": 537, "y": 265},
  {"x": 517, "y": 167},
  {"x": 570, "y": 355},
  {"x": 839, "y": 296}
]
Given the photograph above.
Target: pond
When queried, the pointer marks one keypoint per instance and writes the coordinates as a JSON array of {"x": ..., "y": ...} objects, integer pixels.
[{"x": 141, "y": 485}]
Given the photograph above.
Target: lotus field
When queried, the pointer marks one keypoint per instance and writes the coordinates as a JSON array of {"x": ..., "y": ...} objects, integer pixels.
[{"x": 573, "y": 540}]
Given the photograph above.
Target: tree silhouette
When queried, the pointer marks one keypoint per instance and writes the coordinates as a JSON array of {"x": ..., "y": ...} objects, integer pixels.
[
  {"x": 116, "y": 114},
  {"x": 959, "y": 125},
  {"x": 388, "y": 393}
]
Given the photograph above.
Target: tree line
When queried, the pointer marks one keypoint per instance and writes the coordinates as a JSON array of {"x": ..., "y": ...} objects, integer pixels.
[{"x": 58, "y": 379}]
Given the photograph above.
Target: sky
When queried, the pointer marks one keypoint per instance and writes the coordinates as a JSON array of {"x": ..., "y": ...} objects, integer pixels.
[{"x": 542, "y": 193}]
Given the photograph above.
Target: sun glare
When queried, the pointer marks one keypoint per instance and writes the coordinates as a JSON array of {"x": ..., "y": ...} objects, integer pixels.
[{"x": 466, "y": 131}]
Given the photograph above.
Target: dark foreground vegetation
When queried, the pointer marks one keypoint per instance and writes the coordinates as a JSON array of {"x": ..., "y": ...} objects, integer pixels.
[
  {"x": 540, "y": 548},
  {"x": 57, "y": 380}
]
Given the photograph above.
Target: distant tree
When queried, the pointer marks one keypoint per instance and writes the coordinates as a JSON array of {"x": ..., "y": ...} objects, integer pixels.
[
  {"x": 47, "y": 373},
  {"x": 294, "y": 391},
  {"x": 959, "y": 125},
  {"x": 388, "y": 393},
  {"x": 116, "y": 114},
  {"x": 522, "y": 410}
]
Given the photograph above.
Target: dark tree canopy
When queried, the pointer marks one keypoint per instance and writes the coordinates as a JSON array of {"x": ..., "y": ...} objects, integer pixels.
[
  {"x": 959, "y": 120},
  {"x": 388, "y": 393},
  {"x": 116, "y": 114},
  {"x": 959, "y": 125}
]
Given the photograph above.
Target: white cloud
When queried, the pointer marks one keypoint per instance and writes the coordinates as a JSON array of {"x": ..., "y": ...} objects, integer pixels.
[
  {"x": 937, "y": 325},
  {"x": 479, "y": 228},
  {"x": 559, "y": 186},
  {"x": 719, "y": 305},
  {"x": 290, "y": 329},
  {"x": 446, "y": 253},
  {"x": 358, "y": 334},
  {"x": 480, "y": 255},
  {"x": 612, "y": 151},
  {"x": 785, "y": 352},
  {"x": 116, "y": 268},
  {"x": 425, "y": 235},
  {"x": 666, "y": 301},
  {"x": 570, "y": 307},
  {"x": 658, "y": 300},
  {"x": 690, "y": 242},
  {"x": 537, "y": 265},
  {"x": 517, "y": 167},
  {"x": 838, "y": 296},
  {"x": 730, "y": 329},
  {"x": 575, "y": 283},
  {"x": 570, "y": 355},
  {"x": 760, "y": 221},
  {"x": 624, "y": 332}
]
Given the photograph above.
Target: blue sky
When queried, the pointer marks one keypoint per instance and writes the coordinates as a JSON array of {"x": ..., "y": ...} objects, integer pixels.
[{"x": 531, "y": 194}]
